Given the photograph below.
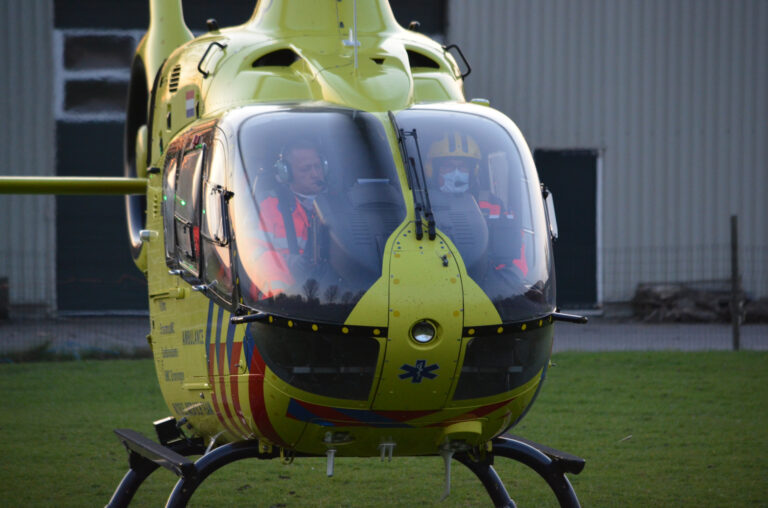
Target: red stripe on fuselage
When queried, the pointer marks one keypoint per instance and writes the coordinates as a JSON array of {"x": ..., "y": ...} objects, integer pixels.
[
  {"x": 214, "y": 398},
  {"x": 234, "y": 386},
  {"x": 223, "y": 385},
  {"x": 474, "y": 414},
  {"x": 256, "y": 399}
]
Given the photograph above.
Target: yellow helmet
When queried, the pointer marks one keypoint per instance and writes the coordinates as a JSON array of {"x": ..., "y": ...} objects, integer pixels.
[{"x": 454, "y": 144}]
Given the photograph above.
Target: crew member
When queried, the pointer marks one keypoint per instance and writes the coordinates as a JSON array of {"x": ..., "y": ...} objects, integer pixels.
[
  {"x": 453, "y": 164},
  {"x": 285, "y": 218}
]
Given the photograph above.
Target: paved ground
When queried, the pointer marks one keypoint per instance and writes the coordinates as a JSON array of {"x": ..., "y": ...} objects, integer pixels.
[
  {"x": 128, "y": 334},
  {"x": 607, "y": 335},
  {"x": 70, "y": 335}
]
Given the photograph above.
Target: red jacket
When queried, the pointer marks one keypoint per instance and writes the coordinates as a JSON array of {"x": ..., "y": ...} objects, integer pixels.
[
  {"x": 273, "y": 275},
  {"x": 491, "y": 208}
]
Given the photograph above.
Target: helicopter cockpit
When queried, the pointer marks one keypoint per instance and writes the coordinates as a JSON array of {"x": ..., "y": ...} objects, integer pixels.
[
  {"x": 342, "y": 228},
  {"x": 310, "y": 196}
]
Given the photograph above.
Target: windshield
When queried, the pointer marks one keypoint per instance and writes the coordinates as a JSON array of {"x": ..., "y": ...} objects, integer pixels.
[
  {"x": 316, "y": 197},
  {"x": 485, "y": 196}
]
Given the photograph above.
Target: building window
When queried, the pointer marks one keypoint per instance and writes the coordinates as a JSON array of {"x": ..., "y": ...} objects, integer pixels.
[{"x": 92, "y": 73}]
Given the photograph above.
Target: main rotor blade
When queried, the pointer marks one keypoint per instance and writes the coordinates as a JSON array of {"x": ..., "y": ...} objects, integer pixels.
[{"x": 71, "y": 185}]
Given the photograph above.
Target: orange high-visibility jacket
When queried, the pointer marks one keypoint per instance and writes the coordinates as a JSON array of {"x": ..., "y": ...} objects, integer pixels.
[
  {"x": 491, "y": 208},
  {"x": 273, "y": 247}
]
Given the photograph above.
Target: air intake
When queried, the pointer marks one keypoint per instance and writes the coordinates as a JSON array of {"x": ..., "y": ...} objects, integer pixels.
[
  {"x": 418, "y": 60},
  {"x": 173, "y": 84},
  {"x": 279, "y": 58}
]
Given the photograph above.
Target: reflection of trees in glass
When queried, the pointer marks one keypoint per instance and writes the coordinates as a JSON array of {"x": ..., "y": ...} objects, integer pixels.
[
  {"x": 331, "y": 293},
  {"x": 309, "y": 306},
  {"x": 311, "y": 288}
]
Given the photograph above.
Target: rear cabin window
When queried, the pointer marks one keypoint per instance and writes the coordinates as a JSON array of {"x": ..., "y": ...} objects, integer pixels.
[
  {"x": 169, "y": 193},
  {"x": 195, "y": 200}
]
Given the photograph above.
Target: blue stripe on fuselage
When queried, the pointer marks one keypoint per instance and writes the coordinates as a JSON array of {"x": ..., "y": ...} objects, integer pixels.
[
  {"x": 371, "y": 418},
  {"x": 248, "y": 345},
  {"x": 299, "y": 412},
  {"x": 219, "y": 318},
  {"x": 230, "y": 341}
]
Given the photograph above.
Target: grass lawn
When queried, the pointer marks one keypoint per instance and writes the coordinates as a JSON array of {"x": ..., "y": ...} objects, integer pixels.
[{"x": 656, "y": 429}]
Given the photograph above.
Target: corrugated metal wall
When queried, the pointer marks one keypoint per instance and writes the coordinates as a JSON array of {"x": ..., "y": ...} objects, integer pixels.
[
  {"x": 27, "y": 223},
  {"x": 675, "y": 95}
]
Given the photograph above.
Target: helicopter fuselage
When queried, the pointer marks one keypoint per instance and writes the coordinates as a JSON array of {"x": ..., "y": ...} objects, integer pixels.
[{"x": 363, "y": 380}]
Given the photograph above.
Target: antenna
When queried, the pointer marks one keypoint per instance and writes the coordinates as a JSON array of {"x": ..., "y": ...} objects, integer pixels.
[{"x": 352, "y": 41}]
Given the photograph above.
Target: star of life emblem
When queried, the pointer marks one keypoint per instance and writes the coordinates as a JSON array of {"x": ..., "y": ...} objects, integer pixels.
[{"x": 419, "y": 371}]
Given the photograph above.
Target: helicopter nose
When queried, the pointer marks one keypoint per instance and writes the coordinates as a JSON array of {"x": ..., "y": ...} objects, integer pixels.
[{"x": 425, "y": 325}]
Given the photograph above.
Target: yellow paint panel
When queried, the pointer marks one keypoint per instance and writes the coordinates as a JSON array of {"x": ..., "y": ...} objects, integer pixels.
[{"x": 416, "y": 269}]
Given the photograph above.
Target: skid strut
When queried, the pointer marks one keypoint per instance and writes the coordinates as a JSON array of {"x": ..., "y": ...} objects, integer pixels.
[
  {"x": 549, "y": 463},
  {"x": 212, "y": 461},
  {"x": 145, "y": 456}
]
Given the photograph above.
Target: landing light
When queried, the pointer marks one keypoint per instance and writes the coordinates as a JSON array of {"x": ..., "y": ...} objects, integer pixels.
[{"x": 423, "y": 332}]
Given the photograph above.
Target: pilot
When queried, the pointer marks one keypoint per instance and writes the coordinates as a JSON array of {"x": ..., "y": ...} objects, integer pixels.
[
  {"x": 286, "y": 215},
  {"x": 453, "y": 164}
]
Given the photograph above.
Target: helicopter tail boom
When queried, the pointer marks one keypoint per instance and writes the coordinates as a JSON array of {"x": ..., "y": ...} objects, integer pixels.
[{"x": 72, "y": 185}]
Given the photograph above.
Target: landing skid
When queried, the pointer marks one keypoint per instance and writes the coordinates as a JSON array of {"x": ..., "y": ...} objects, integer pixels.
[
  {"x": 145, "y": 456},
  {"x": 549, "y": 463}
]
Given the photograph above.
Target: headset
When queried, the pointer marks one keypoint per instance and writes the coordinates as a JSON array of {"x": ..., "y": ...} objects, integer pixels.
[{"x": 282, "y": 167}]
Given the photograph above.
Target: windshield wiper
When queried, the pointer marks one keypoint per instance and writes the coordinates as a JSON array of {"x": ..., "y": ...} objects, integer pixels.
[{"x": 417, "y": 181}]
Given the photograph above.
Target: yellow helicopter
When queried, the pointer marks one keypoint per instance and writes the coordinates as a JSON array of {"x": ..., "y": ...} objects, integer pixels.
[{"x": 345, "y": 258}]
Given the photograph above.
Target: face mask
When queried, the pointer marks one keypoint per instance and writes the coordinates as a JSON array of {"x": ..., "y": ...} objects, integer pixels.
[{"x": 455, "y": 182}]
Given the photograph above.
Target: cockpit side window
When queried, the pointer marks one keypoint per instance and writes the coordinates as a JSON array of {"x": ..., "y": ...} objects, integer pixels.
[{"x": 215, "y": 237}]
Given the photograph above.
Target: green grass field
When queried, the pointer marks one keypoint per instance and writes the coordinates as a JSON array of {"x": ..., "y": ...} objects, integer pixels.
[{"x": 656, "y": 429}]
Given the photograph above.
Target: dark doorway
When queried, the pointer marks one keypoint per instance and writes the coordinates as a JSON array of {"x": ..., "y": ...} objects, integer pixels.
[
  {"x": 94, "y": 268},
  {"x": 571, "y": 175}
]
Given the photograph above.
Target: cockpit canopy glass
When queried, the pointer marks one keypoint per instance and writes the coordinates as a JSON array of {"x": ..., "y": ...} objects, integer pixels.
[
  {"x": 485, "y": 196},
  {"x": 316, "y": 197}
]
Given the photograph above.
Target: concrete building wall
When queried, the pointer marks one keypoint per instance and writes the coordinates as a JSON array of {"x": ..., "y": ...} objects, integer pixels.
[
  {"x": 674, "y": 95},
  {"x": 27, "y": 133}
]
